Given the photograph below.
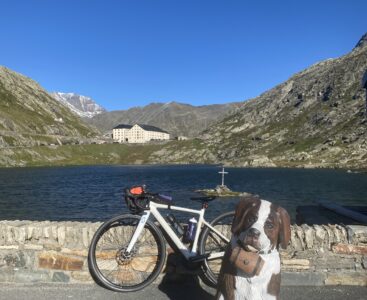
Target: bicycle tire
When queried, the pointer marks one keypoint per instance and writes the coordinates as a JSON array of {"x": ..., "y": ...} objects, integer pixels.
[
  {"x": 107, "y": 259},
  {"x": 210, "y": 242}
]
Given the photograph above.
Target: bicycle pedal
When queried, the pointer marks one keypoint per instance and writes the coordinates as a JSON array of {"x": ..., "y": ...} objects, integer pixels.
[{"x": 199, "y": 258}]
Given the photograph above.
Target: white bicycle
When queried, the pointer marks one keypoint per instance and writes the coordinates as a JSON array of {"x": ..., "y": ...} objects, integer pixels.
[{"x": 128, "y": 252}]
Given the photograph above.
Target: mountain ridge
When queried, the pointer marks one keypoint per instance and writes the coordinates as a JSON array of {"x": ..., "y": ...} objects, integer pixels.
[
  {"x": 29, "y": 116},
  {"x": 362, "y": 42},
  {"x": 179, "y": 119},
  {"x": 83, "y": 106},
  {"x": 316, "y": 118}
]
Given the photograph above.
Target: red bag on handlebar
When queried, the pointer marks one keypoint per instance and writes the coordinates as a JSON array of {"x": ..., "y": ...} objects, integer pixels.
[
  {"x": 136, "y": 199},
  {"x": 137, "y": 190}
]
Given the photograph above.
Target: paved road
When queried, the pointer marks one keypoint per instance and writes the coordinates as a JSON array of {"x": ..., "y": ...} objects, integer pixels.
[{"x": 163, "y": 292}]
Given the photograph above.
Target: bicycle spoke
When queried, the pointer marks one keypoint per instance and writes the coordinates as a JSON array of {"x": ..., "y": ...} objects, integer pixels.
[
  {"x": 122, "y": 270},
  {"x": 214, "y": 243},
  {"x": 109, "y": 273},
  {"x": 211, "y": 235}
]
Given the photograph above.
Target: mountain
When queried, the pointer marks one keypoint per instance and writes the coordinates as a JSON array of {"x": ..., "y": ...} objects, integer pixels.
[
  {"x": 314, "y": 119},
  {"x": 29, "y": 116},
  {"x": 176, "y": 118},
  {"x": 83, "y": 106},
  {"x": 362, "y": 42}
]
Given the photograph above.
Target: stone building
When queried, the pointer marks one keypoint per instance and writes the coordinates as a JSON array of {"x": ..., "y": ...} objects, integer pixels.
[
  {"x": 138, "y": 133},
  {"x": 182, "y": 138}
]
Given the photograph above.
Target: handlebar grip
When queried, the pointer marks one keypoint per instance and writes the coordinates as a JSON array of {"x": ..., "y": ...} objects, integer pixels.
[
  {"x": 160, "y": 198},
  {"x": 165, "y": 197}
]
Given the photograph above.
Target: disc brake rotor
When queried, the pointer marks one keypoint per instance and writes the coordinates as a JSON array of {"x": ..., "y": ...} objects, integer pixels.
[{"x": 123, "y": 257}]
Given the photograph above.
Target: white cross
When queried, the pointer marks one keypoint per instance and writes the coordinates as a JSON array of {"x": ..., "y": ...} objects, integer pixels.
[{"x": 222, "y": 172}]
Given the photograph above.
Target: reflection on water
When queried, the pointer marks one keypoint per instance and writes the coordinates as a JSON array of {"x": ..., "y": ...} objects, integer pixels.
[{"x": 95, "y": 192}]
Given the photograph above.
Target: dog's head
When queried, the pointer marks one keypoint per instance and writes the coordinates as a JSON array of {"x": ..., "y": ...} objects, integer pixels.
[{"x": 259, "y": 225}]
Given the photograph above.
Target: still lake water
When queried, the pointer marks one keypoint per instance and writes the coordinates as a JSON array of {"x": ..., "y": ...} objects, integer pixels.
[{"x": 95, "y": 192}]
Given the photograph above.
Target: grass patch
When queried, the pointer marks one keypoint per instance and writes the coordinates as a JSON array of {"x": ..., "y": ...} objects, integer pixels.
[
  {"x": 9, "y": 140},
  {"x": 83, "y": 154}
]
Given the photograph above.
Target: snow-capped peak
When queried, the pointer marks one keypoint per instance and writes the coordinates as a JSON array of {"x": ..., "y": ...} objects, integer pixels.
[{"x": 83, "y": 106}]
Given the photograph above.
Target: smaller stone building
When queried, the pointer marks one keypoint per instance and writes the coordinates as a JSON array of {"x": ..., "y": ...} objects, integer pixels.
[{"x": 138, "y": 133}]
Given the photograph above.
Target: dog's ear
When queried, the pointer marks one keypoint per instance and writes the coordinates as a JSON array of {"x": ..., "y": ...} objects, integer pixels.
[
  {"x": 242, "y": 209},
  {"x": 285, "y": 227}
]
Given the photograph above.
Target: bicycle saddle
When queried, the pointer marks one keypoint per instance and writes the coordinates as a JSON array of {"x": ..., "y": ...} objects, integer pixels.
[{"x": 203, "y": 198}]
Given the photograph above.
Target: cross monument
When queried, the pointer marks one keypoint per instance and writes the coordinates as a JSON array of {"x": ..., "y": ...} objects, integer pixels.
[{"x": 223, "y": 173}]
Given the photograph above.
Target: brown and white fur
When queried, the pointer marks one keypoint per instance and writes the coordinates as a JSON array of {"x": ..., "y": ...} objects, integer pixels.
[{"x": 258, "y": 227}]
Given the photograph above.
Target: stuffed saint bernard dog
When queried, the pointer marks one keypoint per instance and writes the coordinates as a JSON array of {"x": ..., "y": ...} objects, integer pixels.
[{"x": 251, "y": 264}]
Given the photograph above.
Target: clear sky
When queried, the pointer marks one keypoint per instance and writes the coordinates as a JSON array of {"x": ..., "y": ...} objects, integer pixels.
[{"x": 128, "y": 53}]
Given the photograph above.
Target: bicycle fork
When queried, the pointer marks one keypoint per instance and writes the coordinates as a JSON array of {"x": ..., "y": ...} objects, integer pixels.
[{"x": 143, "y": 220}]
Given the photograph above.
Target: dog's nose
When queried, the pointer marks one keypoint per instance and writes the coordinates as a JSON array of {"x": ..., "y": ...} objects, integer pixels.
[{"x": 253, "y": 232}]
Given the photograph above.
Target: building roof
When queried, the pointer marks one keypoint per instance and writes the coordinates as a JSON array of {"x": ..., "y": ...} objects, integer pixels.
[
  {"x": 144, "y": 126},
  {"x": 122, "y": 126},
  {"x": 151, "y": 128}
]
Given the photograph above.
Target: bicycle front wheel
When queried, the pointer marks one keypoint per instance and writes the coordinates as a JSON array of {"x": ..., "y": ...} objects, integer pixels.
[
  {"x": 116, "y": 269},
  {"x": 212, "y": 243}
]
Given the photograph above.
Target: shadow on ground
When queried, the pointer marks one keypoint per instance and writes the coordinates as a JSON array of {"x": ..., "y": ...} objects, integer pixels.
[
  {"x": 181, "y": 280},
  {"x": 187, "y": 288}
]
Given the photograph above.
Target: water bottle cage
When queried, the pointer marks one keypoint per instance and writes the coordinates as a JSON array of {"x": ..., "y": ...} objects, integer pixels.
[{"x": 175, "y": 225}]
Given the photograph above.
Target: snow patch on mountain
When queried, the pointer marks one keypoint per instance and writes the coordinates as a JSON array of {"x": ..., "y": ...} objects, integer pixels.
[{"x": 82, "y": 106}]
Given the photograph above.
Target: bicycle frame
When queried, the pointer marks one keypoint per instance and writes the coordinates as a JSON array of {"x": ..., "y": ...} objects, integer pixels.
[{"x": 153, "y": 209}]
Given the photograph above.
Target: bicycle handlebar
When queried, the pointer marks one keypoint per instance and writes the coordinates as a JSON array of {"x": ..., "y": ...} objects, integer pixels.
[
  {"x": 159, "y": 198},
  {"x": 137, "y": 198}
]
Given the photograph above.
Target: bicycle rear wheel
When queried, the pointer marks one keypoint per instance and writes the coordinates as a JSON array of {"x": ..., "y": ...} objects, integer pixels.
[
  {"x": 211, "y": 242},
  {"x": 110, "y": 264}
]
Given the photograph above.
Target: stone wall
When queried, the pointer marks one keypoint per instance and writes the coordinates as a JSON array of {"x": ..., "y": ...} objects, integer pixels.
[
  {"x": 57, "y": 252},
  {"x": 45, "y": 251},
  {"x": 326, "y": 254}
]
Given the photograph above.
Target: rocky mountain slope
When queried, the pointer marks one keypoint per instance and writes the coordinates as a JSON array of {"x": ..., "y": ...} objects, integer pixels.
[
  {"x": 83, "y": 106},
  {"x": 176, "y": 118},
  {"x": 314, "y": 119},
  {"x": 29, "y": 116}
]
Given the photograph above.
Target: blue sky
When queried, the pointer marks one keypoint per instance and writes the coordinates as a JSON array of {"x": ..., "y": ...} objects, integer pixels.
[{"x": 128, "y": 53}]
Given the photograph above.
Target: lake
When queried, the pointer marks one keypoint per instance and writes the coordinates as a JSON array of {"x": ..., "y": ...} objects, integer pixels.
[{"x": 92, "y": 193}]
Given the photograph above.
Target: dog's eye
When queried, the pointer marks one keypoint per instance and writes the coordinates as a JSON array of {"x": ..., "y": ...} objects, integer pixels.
[
  {"x": 269, "y": 225},
  {"x": 251, "y": 220}
]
